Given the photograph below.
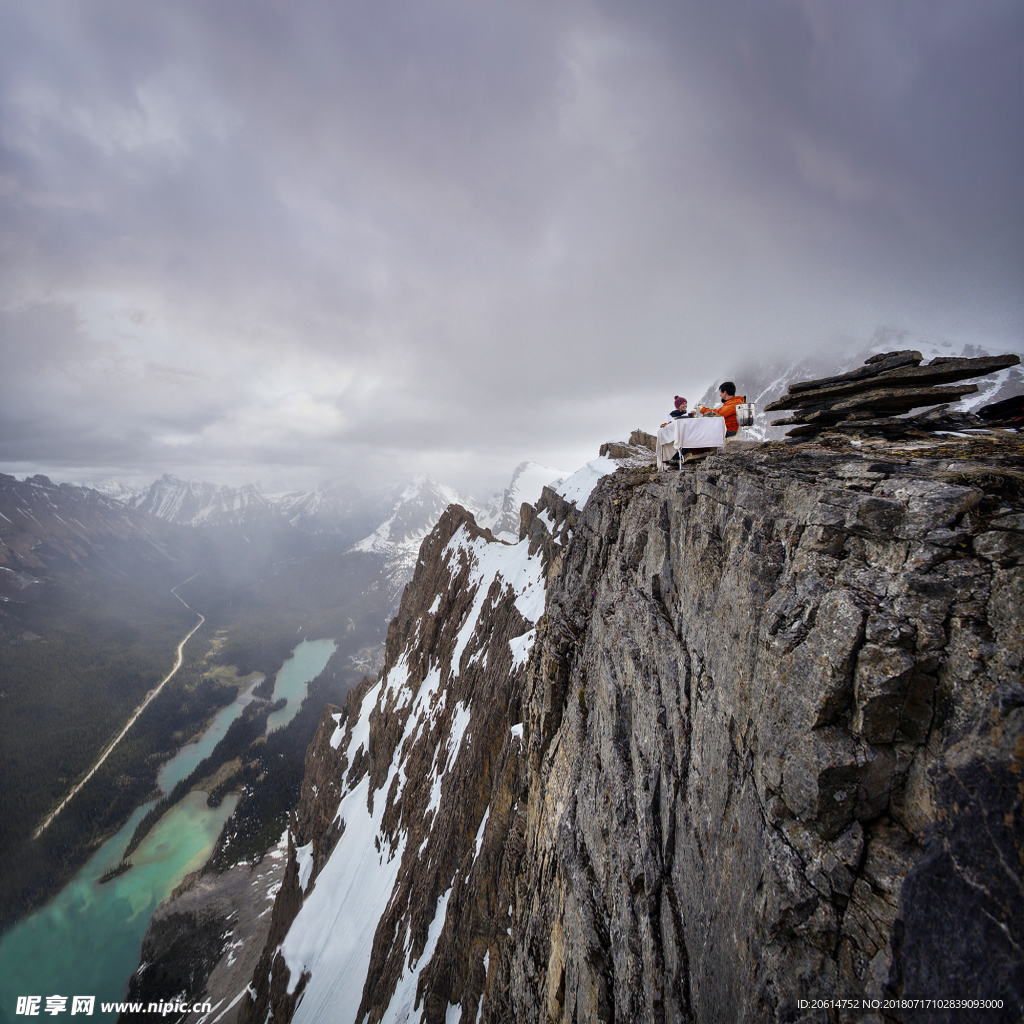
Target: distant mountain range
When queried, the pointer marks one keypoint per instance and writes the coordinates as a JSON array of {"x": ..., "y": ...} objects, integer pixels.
[
  {"x": 46, "y": 526},
  {"x": 390, "y": 523},
  {"x": 335, "y": 508}
]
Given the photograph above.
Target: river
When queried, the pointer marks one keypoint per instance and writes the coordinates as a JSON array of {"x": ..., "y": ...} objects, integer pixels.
[{"x": 86, "y": 940}]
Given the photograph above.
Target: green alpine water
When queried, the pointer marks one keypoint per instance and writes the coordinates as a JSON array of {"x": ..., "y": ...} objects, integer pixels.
[
  {"x": 191, "y": 754},
  {"x": 86, "y": 940},
  {"x": 307, "y": 661}
]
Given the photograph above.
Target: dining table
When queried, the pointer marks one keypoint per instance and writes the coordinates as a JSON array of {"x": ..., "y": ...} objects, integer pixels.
[{"x": 689, "y": 432}]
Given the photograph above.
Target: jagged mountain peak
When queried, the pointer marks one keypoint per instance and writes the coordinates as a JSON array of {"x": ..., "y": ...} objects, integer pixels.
[
  {"x": 501, "y": 514},
  {"x": 412, "y": 516},
  {"x": 335, "y": 507},
  {"x": 414, "y": 510},
  {"x": 200, "y": 503},
  {"x": 420, "y": 484}
]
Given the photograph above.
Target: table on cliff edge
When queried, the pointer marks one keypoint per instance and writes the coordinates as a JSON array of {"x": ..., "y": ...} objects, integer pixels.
[{"x": 699, "y": 432}]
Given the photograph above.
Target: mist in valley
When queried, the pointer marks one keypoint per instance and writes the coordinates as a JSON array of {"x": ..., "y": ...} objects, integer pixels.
[{"x": 279, "y": 284}]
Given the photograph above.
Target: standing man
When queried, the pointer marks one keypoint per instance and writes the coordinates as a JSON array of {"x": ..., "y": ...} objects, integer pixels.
[{"x": 730, "y": 400}]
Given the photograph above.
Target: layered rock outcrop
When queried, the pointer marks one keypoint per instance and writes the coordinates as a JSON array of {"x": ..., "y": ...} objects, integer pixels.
[
  {"x": 870, "y": 398},
  {"x": 768, "y": 747}
]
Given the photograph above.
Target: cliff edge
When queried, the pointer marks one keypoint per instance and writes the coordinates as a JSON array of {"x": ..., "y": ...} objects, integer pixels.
[{"x": 720, "y": 743}]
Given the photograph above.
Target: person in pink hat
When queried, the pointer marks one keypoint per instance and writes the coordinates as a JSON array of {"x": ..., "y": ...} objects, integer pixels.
[{"x": 679, "y": 411}]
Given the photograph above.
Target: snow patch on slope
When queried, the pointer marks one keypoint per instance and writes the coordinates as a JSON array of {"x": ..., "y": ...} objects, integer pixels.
[
  {"x": 332, "y": 936},
  {"x": 514, "y": 564},
  {"x": 579, "y": 486},
  {"x": 304, "y": 858},
  {"x": 403, "y": 1002}
]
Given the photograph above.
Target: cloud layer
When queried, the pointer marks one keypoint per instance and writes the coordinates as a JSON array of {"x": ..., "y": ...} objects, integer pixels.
[{"x": 306, "y": 240}]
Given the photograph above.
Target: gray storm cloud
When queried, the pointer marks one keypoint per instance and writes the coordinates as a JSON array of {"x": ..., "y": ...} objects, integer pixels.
[{"x": 257, "y": 240}]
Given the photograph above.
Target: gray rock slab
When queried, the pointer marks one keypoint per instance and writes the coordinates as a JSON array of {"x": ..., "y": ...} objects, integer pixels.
[{"x": 938, "y": 371}]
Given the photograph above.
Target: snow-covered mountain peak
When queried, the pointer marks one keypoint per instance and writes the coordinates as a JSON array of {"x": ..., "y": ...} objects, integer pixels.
[
  {"x": 411, "y": 517},
  {"x": 426, "y": 488},
  {"x": 199, "y": 503},
  {"x": 119, "y": 491},
  {"x": 335, "y": 507},
  {"x": 413, "y": 514},
  {"x": 501, "y": 515}
]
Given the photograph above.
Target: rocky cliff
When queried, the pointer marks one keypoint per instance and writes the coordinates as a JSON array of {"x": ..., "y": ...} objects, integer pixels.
[{"x": 722, "y": 741}]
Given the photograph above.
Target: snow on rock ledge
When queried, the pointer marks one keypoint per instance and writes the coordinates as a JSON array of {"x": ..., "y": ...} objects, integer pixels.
[{"x": 405, "y": 805}]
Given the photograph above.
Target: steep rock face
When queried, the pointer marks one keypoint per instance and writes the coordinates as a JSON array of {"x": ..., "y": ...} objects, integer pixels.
[
  {"x": 404, "y": 816},
  {"x": 775, "y": 741},
  {"x": 765, "y": 744}
]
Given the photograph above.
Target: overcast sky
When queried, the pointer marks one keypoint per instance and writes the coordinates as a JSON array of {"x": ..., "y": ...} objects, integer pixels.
[{"x": 288, "y": 241}]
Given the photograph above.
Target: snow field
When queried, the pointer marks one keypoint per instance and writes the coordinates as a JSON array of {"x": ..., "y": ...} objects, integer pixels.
[
  {"x": 332, "y": 936},
  {"x": 579, "y": 486}
]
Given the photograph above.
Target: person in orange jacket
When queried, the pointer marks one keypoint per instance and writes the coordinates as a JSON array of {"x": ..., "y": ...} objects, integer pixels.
[{"x": 730, "y": 400}]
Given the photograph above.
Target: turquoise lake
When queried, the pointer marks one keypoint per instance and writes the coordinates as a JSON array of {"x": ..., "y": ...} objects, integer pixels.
[
  {"x": 307, "y": 661},
  {"x": 191, "y": 754},
  {"x": 86, "y": 940}
]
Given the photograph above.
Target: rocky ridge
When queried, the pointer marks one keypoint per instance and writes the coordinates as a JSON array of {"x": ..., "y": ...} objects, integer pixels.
[
  {"x": 869, "y": 399},
  {"x": 764, "y": 382},
  {"x": 764, "y": 744}
]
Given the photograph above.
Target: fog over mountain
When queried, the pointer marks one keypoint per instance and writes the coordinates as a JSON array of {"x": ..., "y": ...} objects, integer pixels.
[{"x": 314, "y": 241}]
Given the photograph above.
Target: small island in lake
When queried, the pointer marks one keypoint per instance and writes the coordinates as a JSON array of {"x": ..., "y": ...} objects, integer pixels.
[{"x": 111, "y": 873}]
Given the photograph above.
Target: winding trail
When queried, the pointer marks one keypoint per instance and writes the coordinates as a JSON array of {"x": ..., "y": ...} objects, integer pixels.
[{"x": 131, "y": 721}]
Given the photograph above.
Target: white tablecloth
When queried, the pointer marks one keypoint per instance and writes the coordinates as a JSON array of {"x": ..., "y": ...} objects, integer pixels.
[{"x": 700, "y": 432}]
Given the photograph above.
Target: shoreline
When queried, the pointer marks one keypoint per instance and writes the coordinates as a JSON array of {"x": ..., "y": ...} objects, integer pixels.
[{"x": 86, "y": 850}]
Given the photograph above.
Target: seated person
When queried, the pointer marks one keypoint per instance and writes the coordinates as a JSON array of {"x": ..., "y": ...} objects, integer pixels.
[
  {"x": 679, "y": 411},
  {"x": 730, "y": 400}
]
